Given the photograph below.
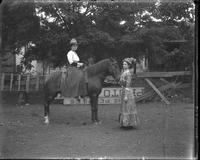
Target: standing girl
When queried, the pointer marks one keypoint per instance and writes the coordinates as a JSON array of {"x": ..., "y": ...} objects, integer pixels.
[{"x": 128, "y": 113}]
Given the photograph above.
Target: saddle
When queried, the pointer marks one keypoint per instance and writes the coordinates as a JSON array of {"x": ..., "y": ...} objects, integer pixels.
[{"x": 74, "y": 82}]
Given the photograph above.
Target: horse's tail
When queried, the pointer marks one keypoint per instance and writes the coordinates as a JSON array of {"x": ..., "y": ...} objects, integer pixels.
[
  {"x": 45, "y": 89},
  {"x": 54, "y": 77},
  {"x": 44, "y": 80}
]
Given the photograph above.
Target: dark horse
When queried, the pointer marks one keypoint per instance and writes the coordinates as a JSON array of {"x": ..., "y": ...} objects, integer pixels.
[{"x": 96, "y": 74}]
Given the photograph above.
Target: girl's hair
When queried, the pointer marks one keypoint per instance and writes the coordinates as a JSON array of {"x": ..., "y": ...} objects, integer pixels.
[{"x": 130, "y": 65}]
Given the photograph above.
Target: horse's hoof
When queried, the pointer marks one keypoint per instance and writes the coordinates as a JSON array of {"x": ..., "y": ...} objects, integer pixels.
[
  {"x": 97, "y": 122},
  {"x": 46, "y": 120},
  {"x": 94, "y": 122}
]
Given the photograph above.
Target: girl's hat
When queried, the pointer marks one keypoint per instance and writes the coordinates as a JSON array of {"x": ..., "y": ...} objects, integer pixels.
[{"x": 73, "y": 41}]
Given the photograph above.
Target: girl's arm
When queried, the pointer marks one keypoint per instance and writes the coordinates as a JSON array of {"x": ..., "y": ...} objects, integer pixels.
[
  {"x": 128, "y": 80},
  {"x": 128, "y": 85}
]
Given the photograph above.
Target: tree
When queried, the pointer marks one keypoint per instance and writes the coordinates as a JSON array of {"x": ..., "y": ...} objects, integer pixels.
[
  {"x": 175, "y": 19},
  {"x": 20, "y": 24},
  {"x": 107, "y": 29}
]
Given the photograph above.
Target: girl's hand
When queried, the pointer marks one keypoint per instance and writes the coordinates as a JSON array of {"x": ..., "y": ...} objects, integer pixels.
[{"x": 79, "y": 64}]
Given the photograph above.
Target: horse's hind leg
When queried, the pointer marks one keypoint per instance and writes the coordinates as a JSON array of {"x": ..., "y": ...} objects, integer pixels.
[
  {"x": 46, "y": 112},
  {"x": 48, "y": 101}
]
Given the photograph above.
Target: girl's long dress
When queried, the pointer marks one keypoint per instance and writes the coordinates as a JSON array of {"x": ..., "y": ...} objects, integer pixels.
[
  {"x": 128, "y": 113},
  {"x": 73, "y": 83}
]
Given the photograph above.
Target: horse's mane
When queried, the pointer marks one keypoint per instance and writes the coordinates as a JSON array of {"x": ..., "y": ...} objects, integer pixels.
[
  {"x": 91, "y": 70},
  {"x": 97, "y": 67}
]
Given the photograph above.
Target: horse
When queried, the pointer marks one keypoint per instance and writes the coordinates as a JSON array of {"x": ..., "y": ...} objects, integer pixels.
[{"x": 96, "y": 75}]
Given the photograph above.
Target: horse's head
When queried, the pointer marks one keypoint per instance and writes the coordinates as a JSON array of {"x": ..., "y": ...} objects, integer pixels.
[{"x": 114, "y": 69}]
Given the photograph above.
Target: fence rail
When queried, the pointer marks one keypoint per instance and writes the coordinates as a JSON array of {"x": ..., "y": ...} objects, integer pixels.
[
  {"x": 28, "y": 82},
  {"x": 19, "y": 82}
]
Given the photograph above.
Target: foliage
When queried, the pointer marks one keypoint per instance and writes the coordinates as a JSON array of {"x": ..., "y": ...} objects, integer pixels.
[
  {"x": 20, "y": 24},
  {"x": 103, "y": 30}
]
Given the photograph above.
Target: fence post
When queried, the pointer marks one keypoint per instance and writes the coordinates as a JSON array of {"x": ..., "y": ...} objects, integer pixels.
[
  {"x": 2, "y": 81},
  {"x": 27, "y": 82},
  {"x": 19, "y": 81},
  {"x": 11, "y": 81},
  {"x": 37, "y": 83},
  {"x": 193, "y": 81}
]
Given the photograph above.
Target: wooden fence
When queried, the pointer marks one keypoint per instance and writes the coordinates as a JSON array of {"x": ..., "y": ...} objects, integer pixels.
[
  {"x": 18, "y": 82},
  {"x": 29, "y": 83}
]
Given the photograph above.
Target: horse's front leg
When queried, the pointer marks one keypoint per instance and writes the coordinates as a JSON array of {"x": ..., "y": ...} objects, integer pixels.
[{"x": 94, "y": 108}]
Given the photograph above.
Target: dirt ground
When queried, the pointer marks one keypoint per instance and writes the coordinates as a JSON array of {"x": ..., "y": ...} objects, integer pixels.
[{"x": 164, "y": 131}]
